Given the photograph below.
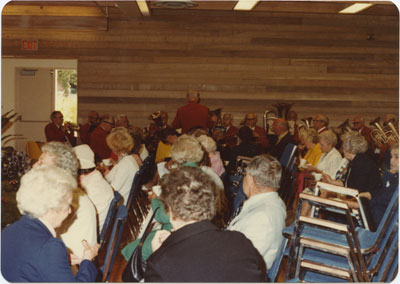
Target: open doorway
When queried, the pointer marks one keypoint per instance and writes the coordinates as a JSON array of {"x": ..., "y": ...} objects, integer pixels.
[{"x": 66, "y": 95}]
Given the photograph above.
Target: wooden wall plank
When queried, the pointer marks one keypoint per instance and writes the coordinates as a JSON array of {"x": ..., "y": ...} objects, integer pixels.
[{"x": 341, "y": 65}]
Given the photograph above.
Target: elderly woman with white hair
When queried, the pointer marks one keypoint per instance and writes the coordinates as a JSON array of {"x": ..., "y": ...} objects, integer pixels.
[
  {"x": 187, "y": 151},
  {"x": 330, "y": 160},
  {"x": 82, "y": 224},
  {"x": 30, "y": 251},
  {"x": 215, "y": 158},
  {"x": 122, "y": 174},
  {"x": 362, "y": 172}
]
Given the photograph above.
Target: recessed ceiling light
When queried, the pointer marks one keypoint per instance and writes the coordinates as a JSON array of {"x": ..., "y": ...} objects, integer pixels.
[
  {"x": 245, "y": 4},
  {"x": 355, "y": 8},
  {"x": 144, "y": 9}
]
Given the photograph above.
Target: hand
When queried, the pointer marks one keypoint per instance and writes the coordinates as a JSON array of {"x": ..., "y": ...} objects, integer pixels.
[
  {"x": 75, "y": 259},
  {"x": 326, "y": 178},
  {"x": 90, "y": 252},
  {"x": 310, "y": 168},
  {"x": 168, "y": 165},
  {"x": 159, "y": 238}
]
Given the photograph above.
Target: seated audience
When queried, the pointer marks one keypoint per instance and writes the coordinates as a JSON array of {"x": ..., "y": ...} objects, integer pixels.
[
  {"x": 389, "y": 183},
  {"x": 196, "y": 250},
  {"x": 98, "y": 138},
  {"x": 86, "y": 129},
  {"x": 123, "y": 172},
  {"x": 82, "y": 224},
  {"x": 30, "y": 251},
  {"x": 57, "y": 131},
  {"x": 187, "y": 151},
  {"x": 215, "y": 159},
  {"x": 247, "y": 148},
  {"x": 139, "y": 149},
  {"x": 281, "y": 128},
  {"x": 92, "y": 182},
  {"x": 362, "y": 172},
  {"x": 330, "y": 160},
  {"x": 309, "y": 139},
  {"x": 168, "y": 137},
  {"x": 262, "y": 217}
]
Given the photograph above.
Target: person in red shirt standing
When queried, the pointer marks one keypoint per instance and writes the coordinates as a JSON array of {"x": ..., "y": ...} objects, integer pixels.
[
  {"x": 98, "y": 138},
  {"x": 56, "y": 131},
  {"x": 87, "y": 128},
  {"x": 192, "y": 115}
]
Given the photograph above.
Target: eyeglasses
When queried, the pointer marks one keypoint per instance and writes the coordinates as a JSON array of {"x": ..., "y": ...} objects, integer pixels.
[
  {"x": 356, "y": 122},
  {"x": 320, "y": 121},
  {"x": 250, "y": 118},
  {"x": 110, "y": 123}
]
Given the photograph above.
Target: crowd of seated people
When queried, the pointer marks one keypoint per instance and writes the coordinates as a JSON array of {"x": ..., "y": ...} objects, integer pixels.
[{"x": 197, "y": 228}]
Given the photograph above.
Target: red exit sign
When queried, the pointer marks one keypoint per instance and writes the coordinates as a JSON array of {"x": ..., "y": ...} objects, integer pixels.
[{"x": 28, "y": 44}]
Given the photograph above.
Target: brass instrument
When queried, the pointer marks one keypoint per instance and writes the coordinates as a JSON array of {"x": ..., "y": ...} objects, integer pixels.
[
  {"x": 268, "y": 119},
  {"x": 343, "y": 128},
  {"x": 394, "y": 133},
  {"x": 380, "y": 136},
  {"x": 283, "y": 109},
  {"x": 71, "y": 126},
  {"x": 270, "y": 115},
  {"x": 306, "y": 123}
]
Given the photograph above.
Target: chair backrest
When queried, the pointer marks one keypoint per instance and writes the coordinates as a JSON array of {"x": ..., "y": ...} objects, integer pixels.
[
  {"x": 112, "y": 209},
  {"x": 393, "y": 206},
  {"x": 359, "y": 213},
  {"x": 287, "y": 155},
  {"x": 113, "y": 244},
  {"x": 33, "y": 150}
]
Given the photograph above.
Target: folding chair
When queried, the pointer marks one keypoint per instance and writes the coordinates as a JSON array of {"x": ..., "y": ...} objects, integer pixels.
[
  {"x": 328, "y": 232},
  {"x": 112, "y": 209},
  {"x": 113, "y": 244},
  {"x": 358, "y": 214}
]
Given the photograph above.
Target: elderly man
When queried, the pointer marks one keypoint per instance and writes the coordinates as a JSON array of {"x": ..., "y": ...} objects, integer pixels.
[
  {"x": 259, "y": 133},
  {"x": 262, "y": 217},
  {"x": 98, "y": 138},
  {"x": 56, "y": 131},
  {"x": 320, "y": 122},
  {"x": 122, "y": 120},
  {"x": 231, "y": 131},
  {"x": 81, "y": 225},
  {"x": 192, "y": 115},
  {"x": 281, "y": 128},
  {"x": 87, "y": 128}
]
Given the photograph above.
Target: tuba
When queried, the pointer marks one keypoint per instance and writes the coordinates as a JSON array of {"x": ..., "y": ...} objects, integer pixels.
[{"x": 283, "y": 109}]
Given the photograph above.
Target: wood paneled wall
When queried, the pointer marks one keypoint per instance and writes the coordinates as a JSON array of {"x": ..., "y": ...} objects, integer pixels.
[{"x": 340, "y": 65}]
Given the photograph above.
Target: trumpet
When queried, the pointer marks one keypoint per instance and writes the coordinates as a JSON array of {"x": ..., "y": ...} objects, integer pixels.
[{"x": 71, "y": 126}]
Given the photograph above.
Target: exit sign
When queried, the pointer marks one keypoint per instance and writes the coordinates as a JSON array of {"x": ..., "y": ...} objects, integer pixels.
[{"x": 28, "y": 44}]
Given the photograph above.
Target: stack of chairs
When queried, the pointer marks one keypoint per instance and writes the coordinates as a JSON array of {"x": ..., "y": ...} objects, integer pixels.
[
  {"x": 135, "y": 212},
  {"x": 319, "y": 250},
  {"x": 138, "y": 204},
  {"x": 287, "y": 161}
]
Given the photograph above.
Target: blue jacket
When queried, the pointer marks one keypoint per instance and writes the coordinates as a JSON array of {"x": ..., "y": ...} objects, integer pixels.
[{"x": 29, "y": 253}]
